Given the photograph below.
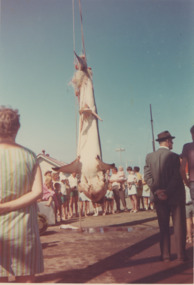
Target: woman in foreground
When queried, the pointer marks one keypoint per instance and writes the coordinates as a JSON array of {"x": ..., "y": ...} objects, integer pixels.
[{"x": 20, "y": 187}]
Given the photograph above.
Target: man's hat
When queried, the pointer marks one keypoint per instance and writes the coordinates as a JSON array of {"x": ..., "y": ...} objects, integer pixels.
[{"x": 164, "y": 136}]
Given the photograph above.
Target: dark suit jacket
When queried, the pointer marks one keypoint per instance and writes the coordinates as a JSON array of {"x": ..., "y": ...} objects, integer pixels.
[{"x": 162, "y": 171}]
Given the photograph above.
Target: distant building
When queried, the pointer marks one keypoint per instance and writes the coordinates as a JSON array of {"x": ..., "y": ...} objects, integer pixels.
[{"x": 47, "y": 163}]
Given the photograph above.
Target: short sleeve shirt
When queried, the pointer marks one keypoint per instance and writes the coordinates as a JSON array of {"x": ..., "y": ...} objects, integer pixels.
[
  {"x": 73, "y": 182},
  {"x": 115, "y": 177}
]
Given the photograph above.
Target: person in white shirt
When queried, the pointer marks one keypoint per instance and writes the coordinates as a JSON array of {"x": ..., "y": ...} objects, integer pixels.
[
  {"x": 132, "y": 190},
  {"x": 73, "y": 183},
  {"x": 119, "y": 194}
]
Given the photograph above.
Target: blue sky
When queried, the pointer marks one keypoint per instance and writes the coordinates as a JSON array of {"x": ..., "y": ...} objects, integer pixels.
[{"x": 141, "y": 53}]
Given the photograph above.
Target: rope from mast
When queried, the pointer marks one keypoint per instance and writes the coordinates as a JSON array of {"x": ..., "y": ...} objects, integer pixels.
[
  {"x": 83, "y": 52},
  {"x": 82, "y": 31}
]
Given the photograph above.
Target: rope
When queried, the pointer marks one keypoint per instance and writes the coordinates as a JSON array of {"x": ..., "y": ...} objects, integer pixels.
[
  {"x": 82, "y": 32},
  {"x": 73, "y": 12},
  {"x": 76, "y": 125}
]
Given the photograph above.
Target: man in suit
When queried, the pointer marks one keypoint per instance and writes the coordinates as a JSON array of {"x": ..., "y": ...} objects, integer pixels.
[{"x": 162, "y": 174}]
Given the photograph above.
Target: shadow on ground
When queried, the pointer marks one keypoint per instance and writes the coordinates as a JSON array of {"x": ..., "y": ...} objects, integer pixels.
[{"x": 122, "y": 260}]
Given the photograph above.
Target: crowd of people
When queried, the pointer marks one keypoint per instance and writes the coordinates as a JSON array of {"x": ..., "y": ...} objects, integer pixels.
[{"x": 68, "y": 201}]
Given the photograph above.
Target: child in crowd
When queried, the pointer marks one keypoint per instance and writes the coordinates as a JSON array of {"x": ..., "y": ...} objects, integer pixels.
[
  {"x": 84, "y": 202},
  {"x": 146, "y": 197},
  {"x": 132, "y": 190},
  {"x": 59, "y": 196},
  {"x": 65, "y": 198},
  {"x": 121, "y": 175},
  {"x": 96, "y": 206},
  {"x": 139, "y": 187},
  {"x": 48, "y": 193},
  {"x": 109, "y": 203}
]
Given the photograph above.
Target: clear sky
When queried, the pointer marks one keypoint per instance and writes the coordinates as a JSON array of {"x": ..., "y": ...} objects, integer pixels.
[{"x": 141, "y": 53}]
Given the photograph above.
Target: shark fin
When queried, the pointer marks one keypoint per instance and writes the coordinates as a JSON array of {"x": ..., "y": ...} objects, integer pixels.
[
  {"x": 104, "y": 166},
  {"x": 74, "y": 166}
]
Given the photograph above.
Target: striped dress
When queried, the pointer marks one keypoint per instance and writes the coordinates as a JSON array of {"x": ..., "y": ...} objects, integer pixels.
[{"x": 20, "y": 247}]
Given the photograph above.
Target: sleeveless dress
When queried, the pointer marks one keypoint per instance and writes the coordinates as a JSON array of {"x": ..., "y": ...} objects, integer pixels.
[{"x": 20, "y": 247}]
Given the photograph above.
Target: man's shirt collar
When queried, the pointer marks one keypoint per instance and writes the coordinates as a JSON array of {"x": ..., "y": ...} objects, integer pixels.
[{"x": 164, "y": 147}]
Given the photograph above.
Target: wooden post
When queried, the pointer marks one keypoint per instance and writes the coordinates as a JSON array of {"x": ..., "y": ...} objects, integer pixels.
[{"x": 153, "y": 141}]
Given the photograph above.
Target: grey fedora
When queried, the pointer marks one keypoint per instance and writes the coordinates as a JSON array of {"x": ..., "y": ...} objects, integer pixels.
[{"x": 164, "y": 136}]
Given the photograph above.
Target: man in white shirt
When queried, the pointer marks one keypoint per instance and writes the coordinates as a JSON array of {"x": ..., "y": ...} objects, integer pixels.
[
  {"x": 119, "y": 194},
  {"x": 73, "y": 183}
]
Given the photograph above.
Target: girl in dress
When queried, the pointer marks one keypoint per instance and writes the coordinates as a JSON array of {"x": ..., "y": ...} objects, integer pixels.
[{"x": 132, "y": 190}]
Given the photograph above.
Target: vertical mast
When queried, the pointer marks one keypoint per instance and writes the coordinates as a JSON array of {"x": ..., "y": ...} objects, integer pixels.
[{"x": 153, "y": 142}]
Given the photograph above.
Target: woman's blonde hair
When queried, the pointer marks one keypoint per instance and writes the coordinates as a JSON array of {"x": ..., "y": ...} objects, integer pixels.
[{"x": 9, "y": 122}]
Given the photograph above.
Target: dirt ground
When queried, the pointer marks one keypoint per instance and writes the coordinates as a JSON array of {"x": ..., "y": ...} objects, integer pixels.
[{"x": 119, "y": 248}]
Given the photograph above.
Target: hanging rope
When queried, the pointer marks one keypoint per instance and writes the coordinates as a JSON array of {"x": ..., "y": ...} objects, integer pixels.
[
  {"x": 73, "y": 12},
  {"x": 84, "y": 53},
  {"x": 76, "y": 128},
  {"x": 82, "y": 32}
]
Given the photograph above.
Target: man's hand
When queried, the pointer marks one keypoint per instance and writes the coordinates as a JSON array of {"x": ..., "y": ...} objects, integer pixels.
[{"x": 161, "y": 194}]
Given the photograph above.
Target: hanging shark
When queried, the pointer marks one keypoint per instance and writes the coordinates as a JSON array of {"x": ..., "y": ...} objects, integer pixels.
[{"x": 88, "y": 164}]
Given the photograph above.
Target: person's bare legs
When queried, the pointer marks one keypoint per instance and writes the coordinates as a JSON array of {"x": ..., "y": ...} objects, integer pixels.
[
  {"x": 71, "y": 206},
  {"x": 76, "y": 205},
  {"x": 65, "y": 209},
  {"x": 112, "y": 206},
  {"x": 49, "y": 201},
  {"x": 189, "y": 229},
  {"x": 132, "y": 202},
  {"x": 146, "y": 203},
  {"x": 81, "y": 205},
  {"x": 135, "y": 203},
  {"x": 86, "y": 208}
]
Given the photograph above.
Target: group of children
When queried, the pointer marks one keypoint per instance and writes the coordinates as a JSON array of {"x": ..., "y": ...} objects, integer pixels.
[{"x": 56, "y": 194}]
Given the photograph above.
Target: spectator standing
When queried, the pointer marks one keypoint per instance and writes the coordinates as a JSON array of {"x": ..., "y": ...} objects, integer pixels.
[
  {"x": 73, "y": 183},
  {"x": 84, "y": 204},
  {"x": 109, "y": 202},
  {"x": 122, "y": 178},
  {"x": 139, "y": 188},
  {"x": 48, "y": 192},
  {"x": 20, "y": 187},
  {"x": 65, "y": 197},
  {"x": 132, "y": 190},
  {"x": 119, "y": 194},
  {"x": 146, "y": 197},
  {"x": 48, "y": 174},
  {"x": 188, "y": 161},
  {"x": 59, "y": 196},
  {"x": 189, "y": 215},
  {"x": 49, "y": 200},
  {"x": 55, "y": 177},
  {"x": 162, "y": 174}
]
